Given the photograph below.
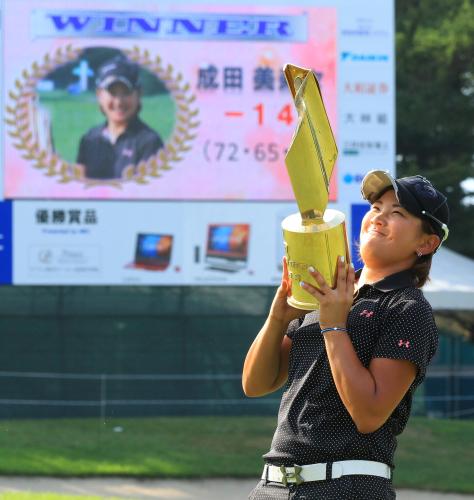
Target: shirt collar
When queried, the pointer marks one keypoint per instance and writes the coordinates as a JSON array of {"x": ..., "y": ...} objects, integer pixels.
[
  {"x": 395, "y": 281},
  {"x": 133, "y": 125}
]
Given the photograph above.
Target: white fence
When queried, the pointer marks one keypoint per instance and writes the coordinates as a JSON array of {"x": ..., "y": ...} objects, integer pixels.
[{"x": 100, "y": 393}]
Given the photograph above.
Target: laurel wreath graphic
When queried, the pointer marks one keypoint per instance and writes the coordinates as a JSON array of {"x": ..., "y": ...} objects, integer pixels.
[{"x": 24, "y": 131}]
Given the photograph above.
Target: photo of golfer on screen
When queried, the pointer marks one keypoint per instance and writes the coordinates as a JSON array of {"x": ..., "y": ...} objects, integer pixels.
[{"x": 124, "y": 140}]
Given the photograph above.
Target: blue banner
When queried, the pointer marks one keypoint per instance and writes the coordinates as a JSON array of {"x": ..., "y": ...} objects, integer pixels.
[
  {"x": 357, "y": 214},
  {"x": 6, "y": 256}
]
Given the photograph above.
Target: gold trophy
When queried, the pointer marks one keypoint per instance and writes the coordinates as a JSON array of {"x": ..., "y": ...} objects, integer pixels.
[{"x": 315, "y": 236}]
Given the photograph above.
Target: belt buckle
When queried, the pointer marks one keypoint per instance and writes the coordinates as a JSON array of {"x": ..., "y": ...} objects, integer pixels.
[{"x": 286, "y": 475}]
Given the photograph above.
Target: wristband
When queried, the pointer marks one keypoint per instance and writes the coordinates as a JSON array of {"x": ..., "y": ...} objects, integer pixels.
[{"x": 334, "y": 329}]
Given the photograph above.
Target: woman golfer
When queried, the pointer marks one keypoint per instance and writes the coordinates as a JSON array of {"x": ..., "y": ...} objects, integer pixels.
[
  {"x": 124, "y": 140},
  {"x": 351, "y": 370}
]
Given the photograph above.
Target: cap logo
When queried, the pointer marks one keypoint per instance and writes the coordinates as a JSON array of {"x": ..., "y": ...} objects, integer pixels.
[{"x": 109, "y": 67}]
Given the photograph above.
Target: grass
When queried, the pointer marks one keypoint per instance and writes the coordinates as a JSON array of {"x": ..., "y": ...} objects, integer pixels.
[
  {"x": 436, "y": 455},
  {"x": 72, "y": 116},
  {"x": 432, "y": 454},
  {"x": 166, "y": 447}
]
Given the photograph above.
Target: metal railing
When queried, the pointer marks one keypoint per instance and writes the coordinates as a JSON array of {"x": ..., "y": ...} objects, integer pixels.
[{"x": 103, "y": 393}]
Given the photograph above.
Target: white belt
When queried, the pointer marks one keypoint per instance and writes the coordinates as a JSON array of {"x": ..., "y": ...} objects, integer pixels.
[{"x": 319, "y": 472}]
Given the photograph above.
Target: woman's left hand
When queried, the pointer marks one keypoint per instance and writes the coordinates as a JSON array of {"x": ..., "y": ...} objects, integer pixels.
[{"x": 335, "y": 303}]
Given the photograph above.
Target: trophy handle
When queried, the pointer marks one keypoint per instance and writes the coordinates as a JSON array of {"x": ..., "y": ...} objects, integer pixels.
[{"x": 313, "y": 151}]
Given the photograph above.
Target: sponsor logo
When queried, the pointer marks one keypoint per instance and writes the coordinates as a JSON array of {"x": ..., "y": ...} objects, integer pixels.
[
  {"x": 363, "y": 27},
  {"x": 203, "y": 26},
  {"x": 365, "y": 118},
  {"x": 348, "y": 56},
  {"x": 356, "y": 148},
  {"x": 353, "y": 178},
  {"x": 366, "y": 88},
  {"x": 363, "y": 32}
]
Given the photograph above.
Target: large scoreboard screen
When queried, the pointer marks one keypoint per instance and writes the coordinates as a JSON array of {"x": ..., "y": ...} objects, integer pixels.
[{"x": 167, "y": 124}]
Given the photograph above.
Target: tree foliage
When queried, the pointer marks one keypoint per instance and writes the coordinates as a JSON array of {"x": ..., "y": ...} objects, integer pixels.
[{"x": 435, "y": 103}]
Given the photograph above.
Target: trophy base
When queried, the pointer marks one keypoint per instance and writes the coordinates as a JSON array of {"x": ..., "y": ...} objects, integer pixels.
[
  {"x": 317, "y": 243},
  {"x": 306, "y": 306}
]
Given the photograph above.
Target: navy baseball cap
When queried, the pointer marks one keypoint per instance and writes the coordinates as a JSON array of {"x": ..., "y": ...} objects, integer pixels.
[
  {"x": 415, "y": 194},
  {"x": 120, "y": 70}
]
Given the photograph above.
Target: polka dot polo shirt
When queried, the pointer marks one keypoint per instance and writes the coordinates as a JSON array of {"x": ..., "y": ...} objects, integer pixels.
[{"x": 388, "y": 319}]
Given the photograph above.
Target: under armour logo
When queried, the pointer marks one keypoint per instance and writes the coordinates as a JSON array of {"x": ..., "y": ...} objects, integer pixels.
[
  {"x": 367, "y": 314},
  {"x": 127, "y": 152},
  {"x": 405, "y": 343}
]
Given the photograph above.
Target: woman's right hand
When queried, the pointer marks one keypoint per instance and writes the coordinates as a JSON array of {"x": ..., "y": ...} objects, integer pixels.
[{"x": 280, "y": 310}]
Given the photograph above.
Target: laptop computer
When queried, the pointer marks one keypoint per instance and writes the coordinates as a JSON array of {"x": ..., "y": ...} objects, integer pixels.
[
  {"x": 152, "y": 251},
  {"x": 227, "y": 246}
]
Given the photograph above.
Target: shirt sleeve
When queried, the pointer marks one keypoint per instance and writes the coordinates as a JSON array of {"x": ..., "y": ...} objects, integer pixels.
[{"x": 409, "y": 332}]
